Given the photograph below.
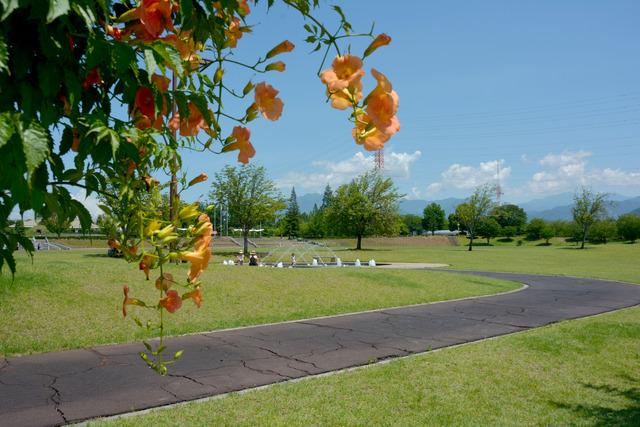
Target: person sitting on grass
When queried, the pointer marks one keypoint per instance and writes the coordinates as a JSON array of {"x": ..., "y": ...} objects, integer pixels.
[
  {"x": 253, "y": 258},
  {"x": 240, "y": 258}
]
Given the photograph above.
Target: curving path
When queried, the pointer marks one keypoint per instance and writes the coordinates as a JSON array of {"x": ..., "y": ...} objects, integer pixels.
[{"x": 55, "y": 388}]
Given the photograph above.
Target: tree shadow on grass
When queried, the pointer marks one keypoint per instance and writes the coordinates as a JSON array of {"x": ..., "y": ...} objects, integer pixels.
[
  {"x": 505, "y": 240},
  {"x": 625, "y": 412},
  {"x": 94, "y": 255},
  {"x": 360, "y": 250},
  {"x": 577, "y": 248}
]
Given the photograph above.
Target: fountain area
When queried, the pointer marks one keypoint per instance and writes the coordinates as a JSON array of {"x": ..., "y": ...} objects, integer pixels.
[{"x": 304, "y": 254}]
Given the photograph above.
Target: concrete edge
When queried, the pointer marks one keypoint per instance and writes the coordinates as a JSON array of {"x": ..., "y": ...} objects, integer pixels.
[
  {"x": 337, "y": 372},
  {"x": 454, "y": 270}
]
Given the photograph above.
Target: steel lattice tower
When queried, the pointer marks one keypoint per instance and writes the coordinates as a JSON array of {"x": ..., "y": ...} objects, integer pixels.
[
  {"x": 380, "y": 159},
  {"x": 499, "y": 191}
]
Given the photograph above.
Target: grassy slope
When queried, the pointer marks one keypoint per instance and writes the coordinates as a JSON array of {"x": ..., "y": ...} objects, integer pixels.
[
  {"x": 580, "y": 372},
  {"x": 73, "y": 299}
]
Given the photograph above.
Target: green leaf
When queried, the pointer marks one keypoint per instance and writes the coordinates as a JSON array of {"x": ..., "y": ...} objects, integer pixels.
[
  {"x": 169, "y": 55},
  {"x": 6, "y": 128},
  {"x": 7, "y": 256},
  {"x": 123, "y": 56},
  {"x": 82, "y": 213},
  {"x": 86, "y": 14},
  {"x": 150, "y": 62},
  {"x": 57, "y": 8},
  {"x": 35, "y": 143},
  {"x": 8, "y": 6},
  {"x": 186, "y": 10},
  {"x": 4, "y": 56}
]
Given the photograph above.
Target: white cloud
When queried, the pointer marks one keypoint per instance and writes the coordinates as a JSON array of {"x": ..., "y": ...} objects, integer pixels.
[
  {"x": 566, "y": 158},
  {"x": 567, "y": 170},
  {"x": 398, "y": 165},
  {"x": 466, "y": 177},
  {"x": 617, "y": 177},
  {"x": 340, "y": 172}
]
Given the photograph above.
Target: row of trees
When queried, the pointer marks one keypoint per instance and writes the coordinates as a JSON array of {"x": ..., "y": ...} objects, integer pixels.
[
  {"x": 478, "y": 216},
  {"x": 626, "y": 228},
  {"x": 368, "y": 205}
]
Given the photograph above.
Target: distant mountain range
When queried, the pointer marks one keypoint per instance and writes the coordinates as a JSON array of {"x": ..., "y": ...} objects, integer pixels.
[
  {"x": 619, "y": 206},
  {"x": 555, "y": 207}
]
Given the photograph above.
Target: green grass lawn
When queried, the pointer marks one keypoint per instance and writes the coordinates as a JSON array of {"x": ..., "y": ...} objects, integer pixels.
[
  {"x": 73, "y": 299},
  {"x": 579, "y": 372},
  {"x": 617, "y": 261}
]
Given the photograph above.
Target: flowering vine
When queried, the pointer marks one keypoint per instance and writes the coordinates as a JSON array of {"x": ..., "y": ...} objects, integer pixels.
[{"x": 124, "y": 87}]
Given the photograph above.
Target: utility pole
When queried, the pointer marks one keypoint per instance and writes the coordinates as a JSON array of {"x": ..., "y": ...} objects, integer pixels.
[{"x": 499, "y": 192}]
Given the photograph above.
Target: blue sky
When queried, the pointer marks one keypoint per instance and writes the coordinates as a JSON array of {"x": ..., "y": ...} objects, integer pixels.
[{"x": 550, "y": 89}]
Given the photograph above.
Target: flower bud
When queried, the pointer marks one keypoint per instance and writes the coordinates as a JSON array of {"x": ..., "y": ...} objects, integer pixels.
[
  {"x": 218, "y": 75},
  {"x": 165, "y": 232},
  {"x": 276, "y": 66},
  {"x": 188, "y": 212},
  {"x": 381, "y": 40},
  {"x": 200, "y": 178},
  {"x": 152, "y": 228},
  {"x": 285, "y": 46},
  {"x": 248, "y": 88}
]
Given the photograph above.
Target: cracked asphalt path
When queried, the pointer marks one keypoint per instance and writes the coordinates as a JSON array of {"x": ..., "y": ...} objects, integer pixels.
[{"x": 58, "y": 388}]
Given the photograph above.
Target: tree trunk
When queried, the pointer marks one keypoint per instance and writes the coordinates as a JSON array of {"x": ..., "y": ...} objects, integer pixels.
[
  {"x": 245, "y": 237},
  {"x": 359, "y": 242},
  {"x": 471, "y": 243},
  {"x": 584, "y": 237}
]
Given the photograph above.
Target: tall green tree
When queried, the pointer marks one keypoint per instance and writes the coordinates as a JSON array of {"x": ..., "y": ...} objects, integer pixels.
[
  {"x": 488, "y": 228},
  {"x": 292, "y": 217},
  {"x": 588, "y": 207},
  {"x": 412, "y": 224},
  {"x": 474, "y": 209},
  {"x": 327, "y": 197},
  {"x": 535, "y": 227},
  {"x": 453, "y": 222},
  {"x": 249, "y": 195},
  {"x": 547, "y": 233},
  {"x": 314, "y": 226},
  {"x": 367, "y": 205},
  {"x": 603, "y": 230},
  {"x": 433, "y": 217},
  {"x": 629, "y": 227},
  {"x": 510, "y": 216}
]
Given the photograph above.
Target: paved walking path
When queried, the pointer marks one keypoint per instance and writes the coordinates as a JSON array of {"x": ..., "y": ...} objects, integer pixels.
[{"x": 54, "y": 388}]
